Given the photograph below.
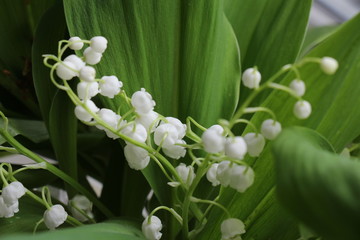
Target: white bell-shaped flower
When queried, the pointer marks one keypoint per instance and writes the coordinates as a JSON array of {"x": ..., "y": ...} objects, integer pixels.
[
  {"x": 12, "y": 192},
  {"x": 142, "y": 102},
  {"x": 165, "y": 134},
  {"x": 223, "y": 173},
  {"x": 137, "y": 157},
  {"x": 298, "y": 86},
  {"x": 241, "y": 177},
  {"x": 186, "y": 173},
  {"x": 82, "y": 114},
  {"x": 255, "y": 143},
  {"x": 78, "y": 62},
  {"x": 92, "y": 57},
  {"x": 98, "y": 44},
  {"x": 110, "y": 118},
  {"x": 148, "y": 120},
  {"x": 270, "y": 129},
  {"x": 82, "y": 203},
  {"x": 180, "y": 127},
  {"x": 251, "y": 78},
  {"x": 329, "y": 65},
  {"x": 235, "y": 147},
  {"x": 110, "y": 86},
  {"x": 151, "y": 229},
  {"x": 8, "y": 211},
  {"x": 87, "y": 74},
  {"x": 302, "y": 109},
  {"x": 175, "y": 151},
  {"x": 211, "y": 174},
  {"x": 135, "y": 131},
  {"x": 232, "y": 228},
  {"x": 66, "y": 70},
  {"x": 87, "y": 90},
  {"x": 75, "y": 43},
  {"x": 213, "y": 139},
  {"x": 55, "y": 216}
]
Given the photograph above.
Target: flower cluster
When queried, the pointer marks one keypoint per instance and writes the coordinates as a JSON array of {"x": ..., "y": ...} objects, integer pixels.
[{"x": 9, "y": 199}]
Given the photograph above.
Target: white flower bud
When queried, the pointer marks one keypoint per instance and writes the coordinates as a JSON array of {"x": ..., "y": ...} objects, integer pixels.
[
  {"x": 302, "y": 109},
  {"x": 75, "y": 43},
  {"x": 175, "y": 151},
  {"x": 82, "y": 114},
  {"x": 223, "y": 173},
  {"x": 213, "y": 140},
  {"x": 235, "y": 147},
  {"x": 148, "y": 120},
  {"x": 76, "y": 61},
  {"x": 110, "y": 86},
  {"x": 82, "y": 203},
  {"x": 232, "y": 228},
  {"x": 180, "y": 127},
  {"x": 6, "y": 211},
  {"x": 55, "y": 216},
  {"x": 255, "y": 143},
  {"x": 142, "y": 102},
  {"x": 298, "y": 86},
  {"x": 186, "y": 173},
  {"x": 211, "y": 175},
  {"x": 87, "y": 90},
  {"x": 270, "y": 129},
  {"x": 329, "y": 65},
  {"x": 165, "y": 134},
  {"x": 98, "y": 44},
  {"x": 135, "y": 131},
  {"x": 286, "y": 67},
  {"x": 151, "y": 229},
  {"x": 87, "y": 74},
  {"x": 66, "y": 70},
  {"x": 137, "y": 157},
  {"x": 12, "y": 192},
  {"x": 110, "y": 118},
  {"x": 241, "y": 177},
  {"x": 251, "y": 78},
  {"x": 92, "y": 57}
]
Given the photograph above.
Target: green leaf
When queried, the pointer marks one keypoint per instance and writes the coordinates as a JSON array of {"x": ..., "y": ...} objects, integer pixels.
[
  {"x": 115, "y": 230},
  {"x": 183, "y": 52},
  {"x": 320, "y": 188},
  {"x": 315, "y": 36},
  {"x": 332, "y": 116}
]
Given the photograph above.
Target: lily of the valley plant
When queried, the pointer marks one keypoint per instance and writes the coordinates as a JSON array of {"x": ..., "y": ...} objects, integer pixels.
[{"x": 173, "y": 108}]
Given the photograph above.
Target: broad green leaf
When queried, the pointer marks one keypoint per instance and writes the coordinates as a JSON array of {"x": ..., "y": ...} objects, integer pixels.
[
  {"x": 315, "y": 36},
  {"x": 332, "y": 99},
  {"x": 115, "y": 230},
  {"x": 320, "y": 188},
  {"x": 183, "y": 52}
]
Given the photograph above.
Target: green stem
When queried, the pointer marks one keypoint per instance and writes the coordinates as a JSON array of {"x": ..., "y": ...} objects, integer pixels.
[{"x": 171, "y": 210}]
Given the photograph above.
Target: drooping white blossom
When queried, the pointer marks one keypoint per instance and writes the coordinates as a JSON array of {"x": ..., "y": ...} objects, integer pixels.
[
  {"x": 110, "y": 118},
  {"x": 235, "y": 147},
  {"x": 302, "y": 109},
  {"x": 186, "y": 173},
  {"x": 270, "y": 129},
  {"x": 82, "y": 114},
  {"x": 231, "y": 229},
  {"x": 75, "y": 43},
  {"x": 298, "y": 86},
  {"x": 55, "y": 216},
  {"x": 213, "y": 139},
  {"x": 211, "y": 175},
  {"x": 78, "y": 62},
  {"x": 12, "y": 192},
  {"x": 87, "y": 90},
  {"x": 142, "y": 102},
  {"x": 241, "y": 177},
  {"x": 92, "y": 57},
  {"x": 135, "y": 131},
  {"x": 175, "y": 151},
  {"x": 66, "y": 70},
  {"x": 329, "y": 65},
  {"x": 165, "y": 134},
  {"x": 87, "y": 74},
  {"x": 82, "y": 203},
  {"x": 148, "y": 120},
  {"x": 110, "y": 86},
  {"x": 223, "y": 173},
  {"x": 251, "y": 78},
  {"x": 98, "y": 44},
  {"x": 180, "y": 127},
  {"x": 151, "y": 229},
  {"x": 137, "y": 157},
  {"x": 255, "y": 143},
  {"x": 8, "y": 211}
]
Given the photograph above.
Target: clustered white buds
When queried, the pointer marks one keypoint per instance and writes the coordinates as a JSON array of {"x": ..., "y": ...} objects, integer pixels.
[
  {"x": 255, "y": 143},
  {"x": 211, "y": 175},
  {"x": 75, "y": 43},
  {"x": 110, "y": 86},
  {"x": 235, "y": 147},
  {"x": 55, "y": 216},
  {"x": 142, "y": 102},
  {"x": 251, "y": 78},
  {"x": 213, "y": 139},
  {"x": 9, "y": 199},
  {"x": 298, "y": 86},
  {"x": 82, "y": 203},
  {"x": 186, "y": 173},
  {"x": 270, "y": 129},
  {"x": 231, "y": 229},
  {"x": 82, "y": 114},
  {"x": 151, "y": 228},
  {"x": 302, "y": 109},
  {"x": 137, "y": 157},
  {"x": 329, "y": 65}
]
